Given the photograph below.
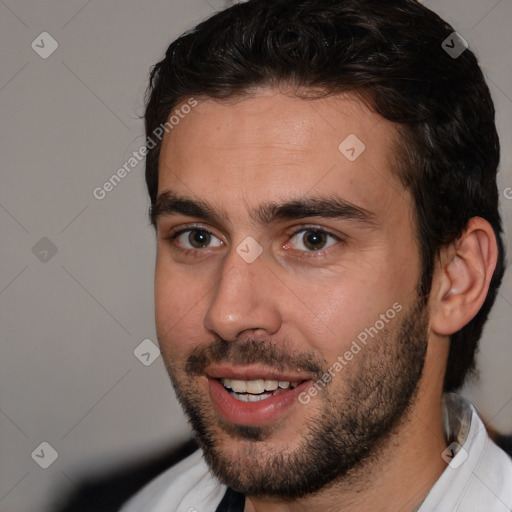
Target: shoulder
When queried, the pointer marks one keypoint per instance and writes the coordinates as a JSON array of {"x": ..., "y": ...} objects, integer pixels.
[{"x": 185, "y": 487}]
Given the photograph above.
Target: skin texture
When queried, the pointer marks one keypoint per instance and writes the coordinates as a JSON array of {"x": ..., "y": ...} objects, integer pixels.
[{"x": 296, "y": 309}]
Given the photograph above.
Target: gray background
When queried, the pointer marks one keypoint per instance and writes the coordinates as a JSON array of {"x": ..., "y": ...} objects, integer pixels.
[{"x": 70, "y": 323}]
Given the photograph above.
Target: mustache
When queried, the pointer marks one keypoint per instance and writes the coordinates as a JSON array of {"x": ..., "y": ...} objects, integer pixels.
[{"x": 251, "y": 351}]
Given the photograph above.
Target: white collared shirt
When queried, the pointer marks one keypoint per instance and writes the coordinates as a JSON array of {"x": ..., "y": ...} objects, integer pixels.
[
  {"x": 477, "y": 479},
  {"x": 479, "y": 476}
]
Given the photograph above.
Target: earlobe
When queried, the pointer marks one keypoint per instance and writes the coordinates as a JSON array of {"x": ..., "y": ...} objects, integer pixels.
[{"x": 461, "y": 281}]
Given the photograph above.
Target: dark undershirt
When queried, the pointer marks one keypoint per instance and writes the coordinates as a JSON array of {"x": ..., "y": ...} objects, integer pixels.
[{"x": 231, "y": 502}]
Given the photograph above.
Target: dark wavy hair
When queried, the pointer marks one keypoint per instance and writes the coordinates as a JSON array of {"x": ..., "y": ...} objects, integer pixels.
[{"x": 390, "y": 54}]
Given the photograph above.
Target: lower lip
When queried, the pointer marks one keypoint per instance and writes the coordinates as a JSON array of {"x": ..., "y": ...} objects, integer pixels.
[{"x": 252, "y": 413}]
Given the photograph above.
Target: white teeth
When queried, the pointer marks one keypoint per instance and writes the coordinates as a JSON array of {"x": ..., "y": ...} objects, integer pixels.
[
  {"x": 240, "y": 386},
  {"x": 247, "y": 397},
  {"x": 256, "y": 387},
  {"x": 271, "y": 385},
  {"x": 257, "y": 398}
]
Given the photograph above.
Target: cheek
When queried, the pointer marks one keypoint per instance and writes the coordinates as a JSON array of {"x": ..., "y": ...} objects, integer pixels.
[
  {"x": 340, "y": 313},
  {"x": 344, "y": 307}
]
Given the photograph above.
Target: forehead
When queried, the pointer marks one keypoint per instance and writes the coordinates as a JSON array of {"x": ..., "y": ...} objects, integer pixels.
[{"x": 273, "y": 144}]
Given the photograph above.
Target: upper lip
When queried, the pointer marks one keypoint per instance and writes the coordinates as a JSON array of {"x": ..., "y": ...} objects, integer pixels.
[{"x": 224, "y": 371}]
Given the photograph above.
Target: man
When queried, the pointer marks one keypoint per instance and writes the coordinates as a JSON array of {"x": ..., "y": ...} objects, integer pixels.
[{"x": 329, "y": 248}]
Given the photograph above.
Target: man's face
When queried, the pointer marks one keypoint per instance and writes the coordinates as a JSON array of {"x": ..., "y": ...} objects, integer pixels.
[{"x": 280, "y": 255}]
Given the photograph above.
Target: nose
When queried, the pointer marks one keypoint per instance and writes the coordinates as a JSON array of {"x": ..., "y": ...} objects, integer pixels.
[{"x": 244, "y": 299}]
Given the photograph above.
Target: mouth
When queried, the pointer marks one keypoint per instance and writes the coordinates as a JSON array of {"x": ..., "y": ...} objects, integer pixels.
[
  {"x": 253, "y": 397},
  {"x": 257, "y": 390}
]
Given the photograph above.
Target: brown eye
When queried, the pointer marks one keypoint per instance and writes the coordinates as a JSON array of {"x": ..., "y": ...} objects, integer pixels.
[
  {"x": 313, "y": 240},
  {"x": 196, "y": 238},
  {"x": 199, "y": 239}
]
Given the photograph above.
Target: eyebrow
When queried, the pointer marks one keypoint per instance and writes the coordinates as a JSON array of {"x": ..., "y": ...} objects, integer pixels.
[{"x": 169, "y": 203}]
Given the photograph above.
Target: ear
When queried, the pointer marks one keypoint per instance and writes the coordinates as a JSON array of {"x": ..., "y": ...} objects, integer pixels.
[{"x": 461, "y": 279}]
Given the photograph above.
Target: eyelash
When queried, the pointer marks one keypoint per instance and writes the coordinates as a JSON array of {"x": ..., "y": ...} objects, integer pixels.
[
  {"x": 200, "y": 252},
  {"x": 195, "y": 253}
]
